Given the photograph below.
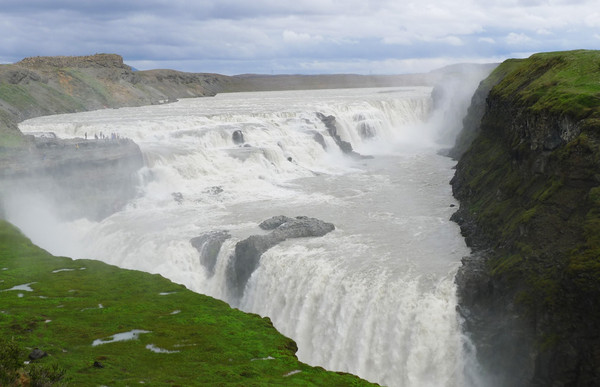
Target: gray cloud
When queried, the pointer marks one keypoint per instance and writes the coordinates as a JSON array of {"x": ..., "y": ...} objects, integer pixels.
[{"x": 304, "y": 36}]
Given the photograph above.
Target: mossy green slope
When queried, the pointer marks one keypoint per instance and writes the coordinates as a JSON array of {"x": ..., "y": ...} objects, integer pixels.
[
  {"x": 529, "y": 182},
  {"x": 72, "y": 303},
  {"x": 557, "y": 82}
]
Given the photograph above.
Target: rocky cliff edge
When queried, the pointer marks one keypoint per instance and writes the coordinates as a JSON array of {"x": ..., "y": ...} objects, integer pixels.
[{"x": 529, "y": 185}]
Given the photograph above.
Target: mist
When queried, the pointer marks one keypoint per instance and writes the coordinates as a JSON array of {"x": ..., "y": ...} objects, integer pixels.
[{"x": 452, "y": 97}]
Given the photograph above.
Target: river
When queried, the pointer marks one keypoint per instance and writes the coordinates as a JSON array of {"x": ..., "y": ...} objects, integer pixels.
[{"x": 375, "y": 297}]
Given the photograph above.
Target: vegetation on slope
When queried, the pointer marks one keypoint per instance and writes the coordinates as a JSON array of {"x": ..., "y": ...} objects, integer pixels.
[
  {"x": 557, "y": 82},
  {"x": 530, "y": 184},
  {"x": 63, "y": 306}
]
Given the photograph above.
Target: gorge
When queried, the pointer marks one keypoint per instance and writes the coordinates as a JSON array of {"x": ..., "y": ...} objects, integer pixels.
[{"x": 526, "y": 180}]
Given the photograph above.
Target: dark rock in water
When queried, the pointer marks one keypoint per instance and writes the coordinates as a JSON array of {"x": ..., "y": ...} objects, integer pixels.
[
  {"x": 274, "y": 222},
  {"x": 238, "y": 137},
  {"x": 37, "y": 354},
  {"x": 366, "y": 131},
  {"x": 178, "y": 197},
  {"x": 345, "y": 146},
  {"x": 301, "y": 227},
  {"x": 318, "y": 137},
  {"x": 209, "y": 246},
  {"x": 248, "y": 251},
  {"x": 329, "y": 122},
  {"x": 214, "y": 190}
]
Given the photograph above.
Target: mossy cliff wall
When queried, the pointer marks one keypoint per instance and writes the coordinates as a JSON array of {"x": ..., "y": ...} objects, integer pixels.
[{"x": 529, "y": 187}]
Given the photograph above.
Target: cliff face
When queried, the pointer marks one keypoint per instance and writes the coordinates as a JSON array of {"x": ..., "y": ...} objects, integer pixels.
[
  {"x": 73, "y": 178},
  {"x": 530, "y": 208}
]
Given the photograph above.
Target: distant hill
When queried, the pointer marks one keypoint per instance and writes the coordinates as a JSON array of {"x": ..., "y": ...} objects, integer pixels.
[{"x": 39, "y": 86}]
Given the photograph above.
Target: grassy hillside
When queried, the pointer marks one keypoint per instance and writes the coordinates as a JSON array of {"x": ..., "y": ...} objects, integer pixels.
[{"x": 63, "y": 306}]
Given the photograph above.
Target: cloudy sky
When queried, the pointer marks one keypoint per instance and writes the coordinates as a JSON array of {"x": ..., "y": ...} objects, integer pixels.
[{"x": 297, "y": 36}]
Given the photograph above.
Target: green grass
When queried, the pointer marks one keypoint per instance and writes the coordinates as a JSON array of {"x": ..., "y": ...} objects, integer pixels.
[
  {"x": 212, "y": 343},
  {"x": 16, "y": 95},
  {"x": 559, "y": 82},
  {"x": 92, "y": 85}
]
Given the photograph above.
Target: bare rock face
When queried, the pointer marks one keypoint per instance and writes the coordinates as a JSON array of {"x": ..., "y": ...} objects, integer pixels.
[
  {"x": 209, "y": 245},
  {"x": 97, "y": 60},
  {"x": 329, "y": 122},
  {"x": 248, "y": 251},
  {"x": 274, "y": 222},
  {"x": 345, "y": 146}
]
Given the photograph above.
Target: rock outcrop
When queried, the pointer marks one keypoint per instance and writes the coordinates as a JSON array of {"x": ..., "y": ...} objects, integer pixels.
[
  {"x": 529, "y": 185},
  {"x": 248, "y": 251},
  {"x": 238, "y": 137},
  {"x": 345, "y": 146},
  {"x": 209, "y": 245}
]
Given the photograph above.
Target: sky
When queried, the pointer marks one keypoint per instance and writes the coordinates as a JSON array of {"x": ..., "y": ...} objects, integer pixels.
[{"x": 298, "y": 36}]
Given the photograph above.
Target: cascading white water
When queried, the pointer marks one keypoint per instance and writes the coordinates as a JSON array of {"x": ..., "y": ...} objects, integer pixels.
[{"x": 375, "y": 297}]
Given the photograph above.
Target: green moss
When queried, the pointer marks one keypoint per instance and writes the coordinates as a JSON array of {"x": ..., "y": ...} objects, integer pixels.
[
  {"x": 504, "y": 265},
  {"x": 74, "y": 302},
  {"x": 565, "y": 83},
  {"x": 584, "y": 263},
  {"x": 594, "y": 196},
  {"x": 553, "y": 185}
]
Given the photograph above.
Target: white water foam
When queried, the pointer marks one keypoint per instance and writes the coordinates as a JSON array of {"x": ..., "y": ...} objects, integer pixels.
[{"x": 375, "y": 297}]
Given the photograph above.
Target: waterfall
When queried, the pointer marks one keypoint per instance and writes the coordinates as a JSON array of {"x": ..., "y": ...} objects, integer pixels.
[{"x": 374, "y": 297}]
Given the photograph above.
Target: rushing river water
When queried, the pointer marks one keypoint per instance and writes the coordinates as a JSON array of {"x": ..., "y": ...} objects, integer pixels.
[{"x": 375, "y": 297}]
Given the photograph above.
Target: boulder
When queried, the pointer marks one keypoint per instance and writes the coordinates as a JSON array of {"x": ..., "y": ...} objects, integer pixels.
[
  {"x": 238, "y": 137},
  {"x": 37, "y": 354},
  {"x": 274, "y": 222},
  {"x": 248, "y": 251},
  {"x": 209, "y": 245}
]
